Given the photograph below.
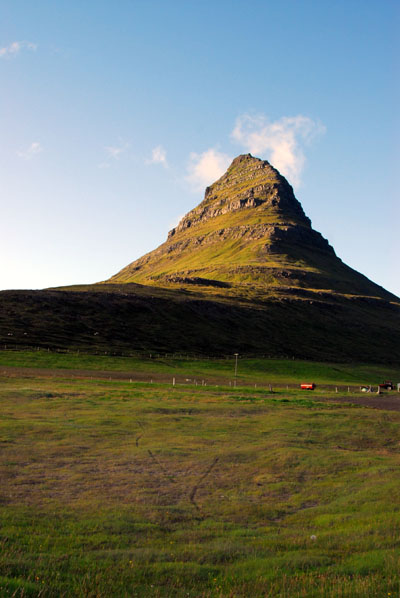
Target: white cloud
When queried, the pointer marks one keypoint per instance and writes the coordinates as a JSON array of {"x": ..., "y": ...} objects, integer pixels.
[
  {"x": 34, "y": 149},
  {"x": 280, "y": 141},
  {"x": 206, "y": 168},
  {"x": 158, "y": 156},
  {"x": 114, "y": 152},
  {"x": 15, "y": 48}
]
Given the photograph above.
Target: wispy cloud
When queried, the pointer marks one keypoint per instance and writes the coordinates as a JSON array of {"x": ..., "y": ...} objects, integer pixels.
[
  {"x": 158, "y": 156},
  {"x": 206, "y": 168},
  {"x": 15, "y": 48},
  {"x": 280, "y": 141},
  {"x": 113, "y": 153},
  {"x": 34, "y": 149}
]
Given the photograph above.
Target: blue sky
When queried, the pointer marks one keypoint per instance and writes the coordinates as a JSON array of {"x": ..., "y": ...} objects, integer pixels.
[{"x": 116, "y": 115}]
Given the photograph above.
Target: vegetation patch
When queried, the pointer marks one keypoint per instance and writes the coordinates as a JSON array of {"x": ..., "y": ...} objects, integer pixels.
[{"x": 123, "y": 489}]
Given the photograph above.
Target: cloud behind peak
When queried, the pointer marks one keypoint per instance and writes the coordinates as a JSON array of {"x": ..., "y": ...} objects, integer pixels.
[{"x": 281, "y": 141}]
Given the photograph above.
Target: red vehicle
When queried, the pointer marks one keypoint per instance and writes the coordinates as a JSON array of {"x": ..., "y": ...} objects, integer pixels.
[
  {"x": 387, "y": 384},
  {"x": 307, "y": 386}
]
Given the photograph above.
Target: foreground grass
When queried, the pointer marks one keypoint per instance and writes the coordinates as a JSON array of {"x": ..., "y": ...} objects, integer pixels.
[
  {"x": 118, "y": 489},
  {"x": 281, "y": 371}
]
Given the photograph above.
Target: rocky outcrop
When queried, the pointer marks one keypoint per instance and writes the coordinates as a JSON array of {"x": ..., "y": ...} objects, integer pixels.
[
  {"x": 234, "y": 191},
  {"x": 196, "y": 280}
]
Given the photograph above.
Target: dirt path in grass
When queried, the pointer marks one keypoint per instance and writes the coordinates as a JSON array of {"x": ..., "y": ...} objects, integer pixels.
[
  {"x": 387, "y": 400},
  {"x": 21, "y": 372}
]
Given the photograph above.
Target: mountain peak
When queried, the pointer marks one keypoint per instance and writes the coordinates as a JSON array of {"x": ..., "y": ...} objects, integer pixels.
[
  {"x": 245, "y": 161},
  {"x": 246, "y": 158},
  {"x": 245, "y": 164},
  {"x": 248, "y": 184},
  {"x": 249, "y": 230},
  {"x": 249, "y": 158}
]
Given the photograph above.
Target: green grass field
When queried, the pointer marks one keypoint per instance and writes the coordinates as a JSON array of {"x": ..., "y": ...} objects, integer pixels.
[
  {"x": 263, "y": 371},
  {"x": 117, "y": 489}
]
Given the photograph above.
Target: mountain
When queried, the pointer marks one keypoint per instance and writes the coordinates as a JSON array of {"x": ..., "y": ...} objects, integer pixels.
[
  {"x": 244, "y": 272},
  {"x": 249, "y": 231}
]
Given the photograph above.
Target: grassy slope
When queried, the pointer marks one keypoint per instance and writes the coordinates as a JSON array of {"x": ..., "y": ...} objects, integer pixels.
[
  {"x": 99, "y": 493},
  {"x": 249, "y": 370},
  {"x": 337, "y": 329}
]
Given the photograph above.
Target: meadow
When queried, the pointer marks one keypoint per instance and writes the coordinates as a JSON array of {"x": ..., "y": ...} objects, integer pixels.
[
  {"x": 111, "y": 488},
  {"x": 250, "y": 371}
]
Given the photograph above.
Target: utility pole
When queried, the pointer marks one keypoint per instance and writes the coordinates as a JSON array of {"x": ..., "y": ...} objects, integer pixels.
[{"x": 236, "y": 364}]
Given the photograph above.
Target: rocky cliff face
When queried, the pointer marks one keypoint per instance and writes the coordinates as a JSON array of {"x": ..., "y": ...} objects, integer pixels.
[
  {"x": 249, "y": 183},
  {"x": 249, "y": 230}
]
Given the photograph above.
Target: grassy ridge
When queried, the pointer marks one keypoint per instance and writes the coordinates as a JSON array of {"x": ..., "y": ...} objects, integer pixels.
[
  {"x": 339, "y": 329},
  {"x": 115, "y": 489},
  {"x": 249, "y": 370}
]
